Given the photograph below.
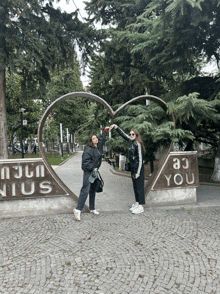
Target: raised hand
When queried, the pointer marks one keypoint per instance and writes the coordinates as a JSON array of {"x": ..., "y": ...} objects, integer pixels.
[{"x": 111, "y": 127}]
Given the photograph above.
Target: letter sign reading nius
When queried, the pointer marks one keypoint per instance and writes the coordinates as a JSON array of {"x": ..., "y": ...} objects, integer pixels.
[{"x": 26, "y": 178}]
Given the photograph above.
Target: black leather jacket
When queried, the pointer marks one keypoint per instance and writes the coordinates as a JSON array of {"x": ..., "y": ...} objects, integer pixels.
[
  {"x": 92, "y": 156},
  {"x": 135, "y": 152}
]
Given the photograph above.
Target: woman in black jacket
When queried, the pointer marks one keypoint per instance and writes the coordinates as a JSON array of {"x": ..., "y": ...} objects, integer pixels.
[
  {"x": 135, "y": 155},
  {"x": 91, "y": 160}
]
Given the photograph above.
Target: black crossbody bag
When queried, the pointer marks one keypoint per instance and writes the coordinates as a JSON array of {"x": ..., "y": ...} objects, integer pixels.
[
  {"x": 96, "y": 178},
  {"x": 99, "y": 183}
]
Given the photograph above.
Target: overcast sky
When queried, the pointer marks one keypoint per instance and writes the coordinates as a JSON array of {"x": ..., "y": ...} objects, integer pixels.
[{"x": 72, "y": 6}]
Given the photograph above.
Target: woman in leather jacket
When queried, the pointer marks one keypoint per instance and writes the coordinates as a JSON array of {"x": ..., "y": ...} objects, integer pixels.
[
  {"x": 135, "y": 155},
  {"x": 91, "y": 160}
]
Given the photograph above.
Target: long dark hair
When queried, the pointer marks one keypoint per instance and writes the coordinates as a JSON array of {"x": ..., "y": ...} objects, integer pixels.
[
  {"x": 90, "y": 143},
  {"x": 138, "y": 139}
]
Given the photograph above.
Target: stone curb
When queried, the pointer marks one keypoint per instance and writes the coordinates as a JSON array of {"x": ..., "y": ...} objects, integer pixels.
[
  {"x": 210, "y": 184},
  {"x": 66, "y": 160}
]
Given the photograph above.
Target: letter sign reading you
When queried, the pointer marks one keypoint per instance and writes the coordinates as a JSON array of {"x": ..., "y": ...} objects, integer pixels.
[
  {"x": 27, "y": 178},
  {"x": 180, "y": 170}
]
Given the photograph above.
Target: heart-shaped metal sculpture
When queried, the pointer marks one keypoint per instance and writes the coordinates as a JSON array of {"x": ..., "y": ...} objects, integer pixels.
[{"x": 159, "y": 101}]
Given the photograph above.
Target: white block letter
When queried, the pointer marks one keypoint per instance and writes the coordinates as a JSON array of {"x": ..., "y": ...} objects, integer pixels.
[
  {"x": 19, "y": 174},
  {"x": 181, "y": 179},
  {"x": 5, "y": 173},
  {"x": 27, "y": 174},
  {"x": 176, "y": 164},
  {"x": 187, "y": 179},
  {"x": 187, "y": 163},
  {"x": 168, "y": 179},
  {"x": 13, "y": 190},
  {"x": 23, "y": 189},
  {"x": 45, "y": 185},
  {"x": 3, "y": 192},
  {"x": 40, "y": 171}
]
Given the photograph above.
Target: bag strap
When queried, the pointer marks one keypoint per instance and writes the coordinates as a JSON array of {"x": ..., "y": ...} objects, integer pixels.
[
  {"x": 100, "y": 178},
  {"x": 127, "y": 157}
]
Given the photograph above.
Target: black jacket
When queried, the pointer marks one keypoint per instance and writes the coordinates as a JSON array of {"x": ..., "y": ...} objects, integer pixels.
[
  {"x": 135, "y": 152},
  {"x": 92, "y": 156}
]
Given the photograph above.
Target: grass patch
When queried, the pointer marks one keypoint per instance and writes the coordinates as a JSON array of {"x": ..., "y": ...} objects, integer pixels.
[{"x": 53, "y": 159}]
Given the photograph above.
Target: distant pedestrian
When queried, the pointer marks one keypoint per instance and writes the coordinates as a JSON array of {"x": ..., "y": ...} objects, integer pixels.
[
  {"x": 26, "y": 148},
  {"x": 34, "y": 149},
  {"x": 135, "y": 155},
  {"x": 91, "y": 160}
]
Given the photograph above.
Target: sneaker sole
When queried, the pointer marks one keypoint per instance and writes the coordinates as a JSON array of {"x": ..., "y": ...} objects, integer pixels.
[
  {"x": 94, "y": 213},
  {"x": 134, "y": 212},
  {"x": 75, "y": 215}
]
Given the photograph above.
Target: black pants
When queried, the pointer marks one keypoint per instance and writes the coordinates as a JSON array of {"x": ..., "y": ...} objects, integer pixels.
[
  {"x": 86, "y": 189},
  {"x": 138, "y": 186}
]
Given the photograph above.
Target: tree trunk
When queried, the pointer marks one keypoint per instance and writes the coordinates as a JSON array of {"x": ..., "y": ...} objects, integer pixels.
[
  {"x": 3, "y": 118},
  {"x": 216, "y": 174}
]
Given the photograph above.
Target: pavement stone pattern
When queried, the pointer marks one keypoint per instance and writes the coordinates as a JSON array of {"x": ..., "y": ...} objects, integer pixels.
[{"x": 158, "y": 251}]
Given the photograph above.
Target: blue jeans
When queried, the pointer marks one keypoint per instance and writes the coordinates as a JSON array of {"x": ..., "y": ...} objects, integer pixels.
[{"x": 86, "y": 189}]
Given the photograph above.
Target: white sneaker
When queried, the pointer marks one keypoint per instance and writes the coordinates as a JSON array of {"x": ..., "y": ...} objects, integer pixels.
[
  {"x": 94, "y": 212},
  {"x": 77, "y": 213},
  {"x": 134, "y": 206},
  {"x": 139, "y": 209}
]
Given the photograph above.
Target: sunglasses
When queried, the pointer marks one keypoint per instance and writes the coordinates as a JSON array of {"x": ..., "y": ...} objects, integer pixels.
[{"x": 132, "y": 134}]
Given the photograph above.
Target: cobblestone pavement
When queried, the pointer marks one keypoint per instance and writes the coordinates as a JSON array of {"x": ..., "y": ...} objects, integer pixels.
[{"x": 159, "y": 251}]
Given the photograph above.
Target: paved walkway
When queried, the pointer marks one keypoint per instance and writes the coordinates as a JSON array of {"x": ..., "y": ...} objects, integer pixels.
[{"x": 164, "y": 250}]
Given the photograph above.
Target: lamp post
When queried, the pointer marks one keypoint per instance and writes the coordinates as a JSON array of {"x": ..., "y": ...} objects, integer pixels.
[
  {"x": 21, "y": 110},
  {"x": 67, "y": 141},
  {"x": 71, "y": 141},
  {"x": 61, "y": 140}
]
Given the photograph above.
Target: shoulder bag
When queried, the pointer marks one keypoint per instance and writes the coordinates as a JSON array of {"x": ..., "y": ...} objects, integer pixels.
[{"x": 99, "y": 183}]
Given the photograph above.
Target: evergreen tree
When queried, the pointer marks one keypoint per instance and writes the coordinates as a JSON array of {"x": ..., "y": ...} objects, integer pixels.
[
  {"x": 198, "y": 116},
  {"x": 97, "y": 119},
  {"x": 72, "y": 112},
  {"x": 35, "y": 39},
  {"x": 168, "y": 43},
  {"x": 153, "y": 124},
  {"x": 115, "y": 72},
  {"x": 33, "y": 110},
  {"x": 175, "y": 36}
]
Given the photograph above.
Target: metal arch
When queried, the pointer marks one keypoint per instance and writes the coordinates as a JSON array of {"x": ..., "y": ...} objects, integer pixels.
[
  {"x": 65, "y": 97},
  {"x": 159, "y": 101},
  {"x": 40, "y": 130},
  {"x": 156, "y": 99}
]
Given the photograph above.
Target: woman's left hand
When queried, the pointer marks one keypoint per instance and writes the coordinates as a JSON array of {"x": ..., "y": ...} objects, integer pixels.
[{"x": 137, "y": 176}]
